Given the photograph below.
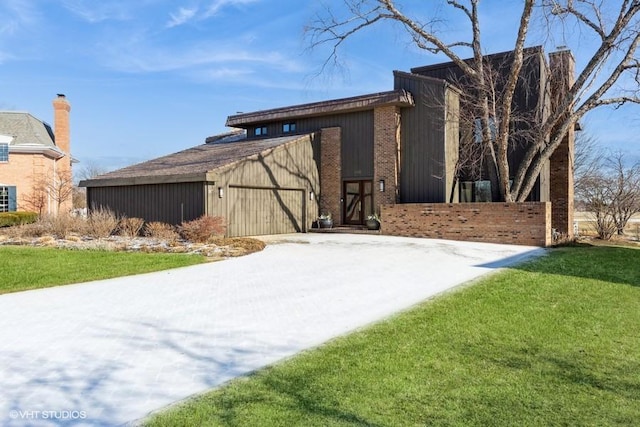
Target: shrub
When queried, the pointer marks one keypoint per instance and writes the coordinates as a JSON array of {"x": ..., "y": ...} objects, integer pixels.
[
  {"x": 245, "y": 245},
  {"x": 202, "y": 229},
  {"x": 36, "y": 229},
  {"x": 161, "y": 230},
  {"x": 9, "y": 219},
  {"x": 60, "y": 226},
  {"x": 130, "y": 227},
  {"x": 101, "y": 222}
]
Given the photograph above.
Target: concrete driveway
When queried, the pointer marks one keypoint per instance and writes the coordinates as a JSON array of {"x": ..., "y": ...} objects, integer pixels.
[{"x": 109, "y": 352}]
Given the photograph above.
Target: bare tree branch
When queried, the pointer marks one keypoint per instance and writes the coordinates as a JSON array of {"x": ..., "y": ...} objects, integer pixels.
[{"x": 612, "y": 63}]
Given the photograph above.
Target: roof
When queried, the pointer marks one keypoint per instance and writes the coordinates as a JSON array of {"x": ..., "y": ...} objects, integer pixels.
[
  {"x": 27, "y": 133},
  {"x": 25, "y": 129},
  {"x": 190, "y": 165},
  {"x": 232, "y": 136},
  {"x": 492, "y": 57},
  {"x": 427, "y": 79},
  {"x": 401, "y": 98}
]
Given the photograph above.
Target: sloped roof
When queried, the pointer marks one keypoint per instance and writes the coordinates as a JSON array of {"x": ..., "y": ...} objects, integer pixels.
[
  {"x": 494, "y": 57},
  {"x": 26, "y": 129},
  {"x": 357, "y": 103},
  {"x": 232, "y": 136},
  {"x": 28, "y": 135},
  {"x": 191, "y": 164}
]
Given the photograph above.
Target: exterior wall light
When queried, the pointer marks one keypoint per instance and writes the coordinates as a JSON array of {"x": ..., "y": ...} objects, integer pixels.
[
  {"x": 311, "y": 195},
  {"x": 220, "y": 192},
  {"x": 381, "y": 183}
]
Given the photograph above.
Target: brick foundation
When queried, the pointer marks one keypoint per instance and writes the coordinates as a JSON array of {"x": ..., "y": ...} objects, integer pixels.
[{"x": 508, "y": 223}]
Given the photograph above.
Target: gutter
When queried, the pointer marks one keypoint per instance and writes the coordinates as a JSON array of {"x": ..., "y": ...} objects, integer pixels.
[
  {"x": 53, "y": 152},
  {"x": 147, "y": 180}
]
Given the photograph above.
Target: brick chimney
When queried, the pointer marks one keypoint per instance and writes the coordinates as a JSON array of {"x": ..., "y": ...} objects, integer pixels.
[
  {"x": 562, "y": 67},
  {"x": 61, "y": 108}
]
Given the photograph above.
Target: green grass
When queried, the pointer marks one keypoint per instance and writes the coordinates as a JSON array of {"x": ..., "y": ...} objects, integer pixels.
[
  {"x": 24, "y": 268},
  {"x": 553, "y": 342}
]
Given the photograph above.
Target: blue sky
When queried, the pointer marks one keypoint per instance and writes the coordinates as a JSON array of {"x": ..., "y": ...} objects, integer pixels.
[{"x": 147, "y": 78}]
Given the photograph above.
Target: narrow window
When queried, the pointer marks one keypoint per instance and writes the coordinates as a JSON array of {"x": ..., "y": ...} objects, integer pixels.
[
  {"x": 483, "y": 191},
  {"x": 4, "y": 152},
  {"x": 288, "y": 127},
  {"x": 466, "y": 192},
  {"x": 4, "y": 199},
  {"x": 477, "y": 129}
]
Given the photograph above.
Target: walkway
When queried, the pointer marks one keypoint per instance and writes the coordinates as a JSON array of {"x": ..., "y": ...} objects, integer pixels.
[{"x": 109, "y": 352}]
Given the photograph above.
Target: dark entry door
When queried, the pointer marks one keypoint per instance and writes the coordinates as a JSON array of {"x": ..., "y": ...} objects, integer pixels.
[{"x": 358, "y": 201}]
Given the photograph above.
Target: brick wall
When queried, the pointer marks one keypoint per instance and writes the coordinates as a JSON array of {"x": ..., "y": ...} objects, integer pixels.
[
  {"x": 386, "y": 140},
  {"x": 61, "y": 109},
  {"x": 331, "y": 172},
  {"x": 511, "y": 223},
  {"x": 28, "y": 172}
]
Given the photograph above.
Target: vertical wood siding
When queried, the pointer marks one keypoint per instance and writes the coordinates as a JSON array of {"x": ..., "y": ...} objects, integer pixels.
[
  {"x": 357, "y": 139},
  {"x": 423, "y": 163},
  {"x": 528, "y": 98},
  {"x": 171, "y": 203},
  {"x": 269, "y": 193},
  {"x": 260, "y": 211}
]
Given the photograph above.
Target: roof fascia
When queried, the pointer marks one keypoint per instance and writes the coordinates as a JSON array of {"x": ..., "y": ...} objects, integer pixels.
[
  {"x": 535, "y": 50},
  {"x": 149, "y": 179},
  {"x": 52, "y": 152},
  {"x": 400, "y": 98},
  {"x": 428, "y": 79}
]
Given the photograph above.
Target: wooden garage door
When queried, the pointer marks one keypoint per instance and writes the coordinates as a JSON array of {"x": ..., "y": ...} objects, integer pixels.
[{"x": 259, "y": 211}]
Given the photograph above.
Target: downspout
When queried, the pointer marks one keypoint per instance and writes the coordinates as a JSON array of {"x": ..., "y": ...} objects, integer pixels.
[{"x": 53, "y": 181}]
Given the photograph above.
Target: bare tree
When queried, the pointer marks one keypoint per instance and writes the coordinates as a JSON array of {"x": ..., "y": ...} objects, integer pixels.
[
  {"x": 88, "y": 171},
  {"x": 60, "y": 187},
  {"x": 37, "y": 199},
  {"x": 601, "y": 82},
  {"x": 588, "y": 160},
  {"x": 54, "y": 188},
  {"x": 597, "y": 196},
  {"x": 610, "y": 191},
  {"x": 625, "y": 183}
]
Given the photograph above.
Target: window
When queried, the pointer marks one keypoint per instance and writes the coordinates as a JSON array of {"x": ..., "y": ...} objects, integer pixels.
[
  {"x": 7, "y": 199},
  {"x": 260, "y": 130},
  {"x": 288, "y": 127},
  {"x": 475, "y": 191},
  {"x": 4, "y": 152},
  {"x": 483, "y": 191},
  {"x": 477, "y": 129},
  {"x": 466, "y": 192}
]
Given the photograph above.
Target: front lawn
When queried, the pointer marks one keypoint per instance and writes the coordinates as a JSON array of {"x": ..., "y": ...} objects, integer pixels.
[
  {"x": 24, "y": 268},
  {"x": 555, "y": 341}
]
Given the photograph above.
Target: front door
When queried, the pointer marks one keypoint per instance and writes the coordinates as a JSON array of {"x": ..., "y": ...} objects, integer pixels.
[{"x": 358, "y": 201}]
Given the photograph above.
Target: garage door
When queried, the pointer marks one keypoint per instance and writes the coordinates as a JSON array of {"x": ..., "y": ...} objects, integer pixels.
[{"x": 259, "y": 211}]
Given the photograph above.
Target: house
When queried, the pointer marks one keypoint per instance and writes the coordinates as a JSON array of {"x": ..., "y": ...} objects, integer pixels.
[
  {"x": 540, "y": 83},
  {"x": 280, "y": 168},
  {"x": 35, "y": 161},
  {"x": 287, "y": 164}
]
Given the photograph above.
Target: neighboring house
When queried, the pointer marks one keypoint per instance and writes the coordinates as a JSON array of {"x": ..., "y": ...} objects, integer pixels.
[
  {"x": 282, "y": 167},
  {"x": 35, "y": 161}
]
